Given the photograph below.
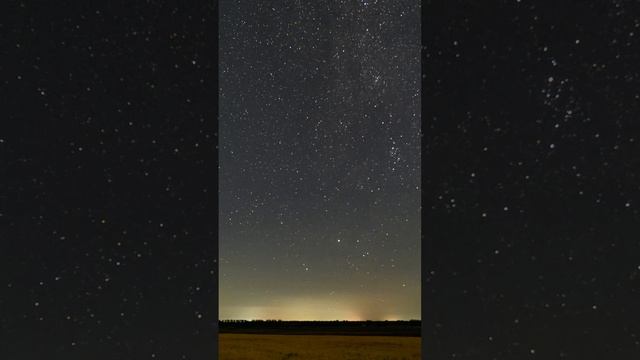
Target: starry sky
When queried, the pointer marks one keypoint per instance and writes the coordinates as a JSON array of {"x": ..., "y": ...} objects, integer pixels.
[
  {"x": 319, "y": 160},
  {"x": 108, "y": 181},
  {"x": 529, "y": 162},
  {"x": 531, "y": 179}
]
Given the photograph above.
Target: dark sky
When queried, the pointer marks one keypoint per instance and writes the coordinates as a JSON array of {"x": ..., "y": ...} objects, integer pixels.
[
  {"x": 531, "y": 179},
  {"x": 320, "y": 160},
  {"x": 107, "y": 181},
  {"x": 530, "y": 174}
]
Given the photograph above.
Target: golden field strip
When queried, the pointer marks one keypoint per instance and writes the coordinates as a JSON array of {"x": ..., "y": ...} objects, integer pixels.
[{"x": 317, "y": 347}]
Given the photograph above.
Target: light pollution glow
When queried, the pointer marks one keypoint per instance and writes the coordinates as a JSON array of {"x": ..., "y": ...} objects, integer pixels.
[
  {"x": 319, "y": 210},
  {"x": 328, "y": 307}
]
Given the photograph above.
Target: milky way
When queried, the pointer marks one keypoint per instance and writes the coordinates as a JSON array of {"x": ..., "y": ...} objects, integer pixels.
[{"x": 320, "y": 160}]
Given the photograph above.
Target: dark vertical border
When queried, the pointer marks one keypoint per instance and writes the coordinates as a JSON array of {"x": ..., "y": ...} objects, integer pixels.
[
  {"x": 529, "y": 120},
  {"x": 108, "y": 148}
]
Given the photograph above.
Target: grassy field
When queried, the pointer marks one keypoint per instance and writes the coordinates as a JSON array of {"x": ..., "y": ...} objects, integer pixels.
[{"x": 317, "y": 347}]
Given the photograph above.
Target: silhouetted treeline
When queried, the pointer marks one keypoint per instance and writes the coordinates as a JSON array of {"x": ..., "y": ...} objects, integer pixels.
[{"x": 337, "y": 327}]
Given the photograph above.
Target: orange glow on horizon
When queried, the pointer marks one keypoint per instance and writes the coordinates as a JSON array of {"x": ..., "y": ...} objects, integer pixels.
[{"x": 314, "y": 309}]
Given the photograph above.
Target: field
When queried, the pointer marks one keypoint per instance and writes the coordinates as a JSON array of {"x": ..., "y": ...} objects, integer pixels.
[{"x": 317, "y": 347}]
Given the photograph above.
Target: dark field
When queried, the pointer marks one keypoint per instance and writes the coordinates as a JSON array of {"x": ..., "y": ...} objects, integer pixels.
[{"x": 335, "y": 340}]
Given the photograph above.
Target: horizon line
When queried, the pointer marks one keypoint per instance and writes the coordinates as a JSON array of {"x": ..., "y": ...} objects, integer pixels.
[{"x": 318, "y": 320}]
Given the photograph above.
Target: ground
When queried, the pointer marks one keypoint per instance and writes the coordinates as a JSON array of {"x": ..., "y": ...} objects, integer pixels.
[{"x": 317, "y": 347}]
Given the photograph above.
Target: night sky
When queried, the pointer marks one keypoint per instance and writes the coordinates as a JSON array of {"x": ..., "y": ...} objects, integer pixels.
[
  {"x": 531, "y": 153},
  {"x": 320, "y": 160},
  {"x": 108, "y": 181},
  {"x": 529, "y": 158}
]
